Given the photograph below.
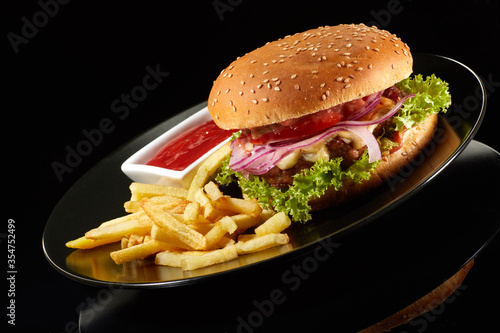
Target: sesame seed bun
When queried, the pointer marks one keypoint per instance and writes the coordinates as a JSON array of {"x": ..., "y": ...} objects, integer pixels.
[{"x": 306, "y": 73}]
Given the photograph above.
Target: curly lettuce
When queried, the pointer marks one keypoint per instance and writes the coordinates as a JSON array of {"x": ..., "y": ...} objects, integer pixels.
[
  {"x": 431, "y": 96},
  {"x": 309, "y": 184}
]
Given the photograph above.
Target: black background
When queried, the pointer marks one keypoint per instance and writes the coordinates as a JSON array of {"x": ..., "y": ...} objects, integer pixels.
[{"x": 62, "y": 80}]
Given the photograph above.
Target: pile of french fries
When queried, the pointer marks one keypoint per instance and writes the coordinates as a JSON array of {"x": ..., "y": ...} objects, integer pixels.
[{"x": 188, "y": 228}]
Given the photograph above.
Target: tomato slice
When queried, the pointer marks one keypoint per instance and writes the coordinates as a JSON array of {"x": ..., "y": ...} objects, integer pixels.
[{"x": 303, "y": 126}]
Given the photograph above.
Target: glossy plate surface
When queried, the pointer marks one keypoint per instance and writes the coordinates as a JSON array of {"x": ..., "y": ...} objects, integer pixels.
[{"x": 99, "y": 195}]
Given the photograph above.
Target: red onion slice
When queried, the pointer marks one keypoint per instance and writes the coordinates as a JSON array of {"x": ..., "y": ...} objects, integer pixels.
[{"x": 261, "y": 159}]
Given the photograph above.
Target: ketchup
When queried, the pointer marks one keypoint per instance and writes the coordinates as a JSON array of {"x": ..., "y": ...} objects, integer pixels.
[{"x": 182, "y": 151}]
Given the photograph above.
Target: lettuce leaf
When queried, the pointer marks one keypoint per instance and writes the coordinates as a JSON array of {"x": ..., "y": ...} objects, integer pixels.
[
  {"x": 310, "y": 184},
  {"x": 431, "y": 96}
]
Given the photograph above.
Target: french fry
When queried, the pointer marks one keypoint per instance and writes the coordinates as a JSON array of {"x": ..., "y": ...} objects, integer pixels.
[
  {"x": 200, "y": 197},
  {"x": 173, "y": 258},
  {"x": 191, "y": 212},
  {"x": 140, "y": 251},
  {"x": 213, "y": 191},
  {"x": 219, "y": 230},
  {"x": 257, "y": 244},
  {"x": 141, "y": 190},
  {"x": 84, "y": 243},
  {"x": 168, "y": 237},
  {"x": 166, "y": 221},
  {"x": 210, "y": 212},
  {"x": 207, "y": 168},
  {"x": 169, "y": 204},
  {"x": 211, "y": 258},
  {"x": 244, "y": 221},
  {"x": 132, "y": 206},
  {"x": 134, "y": 240},
  {"x": 274, "y": 225},
  {"x": 118, "y": 230},
  {"x": 249, "y": 207}
]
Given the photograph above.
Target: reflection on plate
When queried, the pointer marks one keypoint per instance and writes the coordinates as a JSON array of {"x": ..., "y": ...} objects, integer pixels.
[{"x": 85, "y": 211}]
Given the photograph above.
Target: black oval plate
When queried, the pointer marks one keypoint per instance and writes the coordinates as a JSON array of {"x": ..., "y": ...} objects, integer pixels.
[{"x": 99, "y": 195}]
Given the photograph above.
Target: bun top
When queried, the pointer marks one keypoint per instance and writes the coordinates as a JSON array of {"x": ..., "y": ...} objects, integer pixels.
[{"x": 307, "y": 72}]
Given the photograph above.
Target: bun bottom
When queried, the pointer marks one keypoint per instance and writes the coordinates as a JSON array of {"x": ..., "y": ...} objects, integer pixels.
[{"x": 414, "y": 140}]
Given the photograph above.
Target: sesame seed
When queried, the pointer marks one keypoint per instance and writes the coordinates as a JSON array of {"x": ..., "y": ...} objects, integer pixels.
[
  {"x": 253, "y": 61},
  {"x": 218, "y": 93},
  {"x": 252, "y": 76},
  {"x": 347, "y": 86},
  {"x": 324, "y": 58},
  {"x": 274, "y": 79},
  {"x": 277, "y": 88},
  {"x": 404, "y": 154},
  {"x": 230, "y": 103},
  {"x": 241, "y": 93},
  {"x": 234, "y": 108},
  {"x": 346, "y": 80},
  {"x": 346, "y": 54},
  {"x": 322, "y": 85},
  {"x": 230, "y": 67},
  {"x": 266, "y": 64},
  {"x": 265, "y": 99},
  {"x": 297, "y": 87},
  {"x": 266, "y": 81},
  {"x": 242, "y": 82},
  {"x": 314, "y": 71},
  {"x": 278, "y": 83},
  {"x": 228, "y": 90},
  {"x": 375, "y": 49},
  {"x": 269, "y": 86},
  {"x": 259, "y": 86},
  {"x": 359, "y": 69},
  {"x": 370, "y": 66},
  {"x": 265, "y": 72},
  {"x": 340, "y": 78},
  {"x": 230, "y": 75},
  {"x": 367, "y": 47},
  {"x": 293, "y": 76},
  {"x": 323, "y": 97},
  {"x": 252, "y": 91},
  {"x": 255, "y": 101}
]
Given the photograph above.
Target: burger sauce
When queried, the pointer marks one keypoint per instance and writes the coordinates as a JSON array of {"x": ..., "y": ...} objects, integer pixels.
[{"x": 182, "y": 151}]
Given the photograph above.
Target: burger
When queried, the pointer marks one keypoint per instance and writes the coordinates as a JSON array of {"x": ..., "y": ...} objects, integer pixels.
[{"x": 323, "y": 116}]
